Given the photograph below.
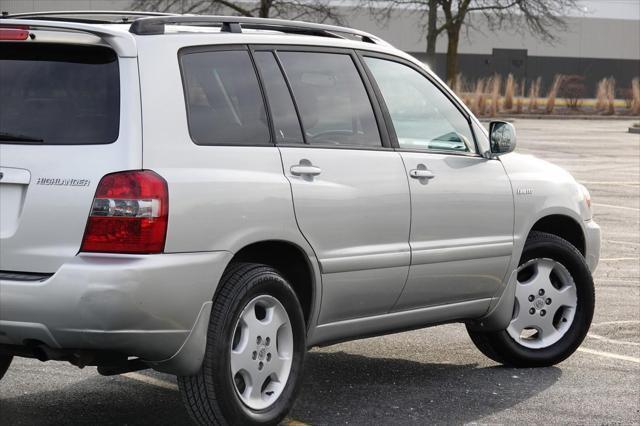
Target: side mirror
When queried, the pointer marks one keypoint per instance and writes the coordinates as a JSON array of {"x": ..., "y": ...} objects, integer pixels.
[{"x": 502, "y": 137}]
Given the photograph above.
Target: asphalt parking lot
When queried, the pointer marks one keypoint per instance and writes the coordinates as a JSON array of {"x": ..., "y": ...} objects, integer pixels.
[{"x": 433, "y": 375}]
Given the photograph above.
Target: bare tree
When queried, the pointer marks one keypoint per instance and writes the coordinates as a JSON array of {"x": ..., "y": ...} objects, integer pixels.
[
  {"x": 540, "y": 17},
  {"x": 432, "y": 34},
  {"x": 313, "y": 10}
]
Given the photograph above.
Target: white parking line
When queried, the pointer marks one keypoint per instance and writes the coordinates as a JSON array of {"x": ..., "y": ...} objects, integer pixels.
[
  {"x": 151, "y": 381},
  {"x": 622, "y": 242},
  {"x": 614, "y": 341},
  {"x": 616, "y": 259},
  {"x": 611, "y": 206},
  {"x": 610, "y": 355},
  {"x": 597, "y": 324},
  {"x": 609, "y": 183},
  {"x": 171, "y": 386},
  {"x": 616, "y": 280}
]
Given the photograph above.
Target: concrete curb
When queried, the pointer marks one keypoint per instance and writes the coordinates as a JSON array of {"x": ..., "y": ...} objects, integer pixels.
[{"x": 560, "y": 117}]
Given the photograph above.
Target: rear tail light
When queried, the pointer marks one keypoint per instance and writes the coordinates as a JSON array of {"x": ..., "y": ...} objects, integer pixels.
[
  {"x": 14, "y": 32},
  {"x": 129, "y": 214}
]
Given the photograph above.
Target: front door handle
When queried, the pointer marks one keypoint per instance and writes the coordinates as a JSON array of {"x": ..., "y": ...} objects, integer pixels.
[
  {"x": 421, "y": 174},
  {"x": 305, "y": 169}
]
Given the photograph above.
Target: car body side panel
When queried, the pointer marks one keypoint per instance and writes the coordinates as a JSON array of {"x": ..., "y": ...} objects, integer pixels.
[
  {"x": 461, "y": 230},
  {"x": 543, "y": 189},
  {"x": 355, "y": 215},
  {"x": 219, "y": 196}
]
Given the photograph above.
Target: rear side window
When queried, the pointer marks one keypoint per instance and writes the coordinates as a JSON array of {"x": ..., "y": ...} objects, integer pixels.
[
  {"x": 331, "y": 98},
  {"x": 58, "y": 94},
  {"x": 224, "y": 102}
]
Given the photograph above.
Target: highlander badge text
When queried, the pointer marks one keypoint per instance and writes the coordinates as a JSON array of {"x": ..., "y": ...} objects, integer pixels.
[{"x": 62, "y": 182}]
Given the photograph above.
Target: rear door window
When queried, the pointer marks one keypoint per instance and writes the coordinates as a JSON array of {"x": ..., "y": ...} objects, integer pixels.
[
  {"x": 58, "y": 94},
  {"x": 331, "y": 98},
  {"x": 283, "y": 112},
  {"x": 224, "y": 101}
]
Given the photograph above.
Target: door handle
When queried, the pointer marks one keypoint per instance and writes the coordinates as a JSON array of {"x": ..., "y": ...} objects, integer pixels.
[
  {"x": 305, "y": 170},
  {"x": 421, "y": 174}
]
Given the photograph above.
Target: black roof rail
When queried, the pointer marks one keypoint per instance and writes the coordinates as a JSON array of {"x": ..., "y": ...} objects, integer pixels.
[
  {"x": 88, "y": 16},
  {"x": 235, "y": 24}
]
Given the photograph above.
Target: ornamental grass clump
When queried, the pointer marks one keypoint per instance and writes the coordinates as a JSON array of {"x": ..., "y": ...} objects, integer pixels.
[
  {"x": 495, "y": 82},
  {"x": 534, "y": 94},
  {"x": 553, "y": 92},
  {"x": 611, "y": 97},
  {"x": 601, "y": 95},
  {"x": 635, "y": 95},
  {"x": 479, "y": 101},
  {"x": 509, "y": 92},
  {"x": 520, "y": 98},
  {"x": 457, "y": 84}
]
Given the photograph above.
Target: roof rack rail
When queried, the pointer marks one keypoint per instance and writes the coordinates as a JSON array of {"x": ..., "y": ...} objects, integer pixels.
[
  {"x": 121, "y": 16},
  {"x": 235, "y": 24}
]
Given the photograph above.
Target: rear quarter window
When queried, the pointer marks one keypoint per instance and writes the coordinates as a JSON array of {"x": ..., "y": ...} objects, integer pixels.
[
  {"x": 56, "y": 94},
  {"x": 224, "y": 101}
]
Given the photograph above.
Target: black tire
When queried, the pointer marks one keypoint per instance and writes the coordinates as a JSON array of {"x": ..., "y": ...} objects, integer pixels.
[
  {"x": 500, "y": 347},
  {"x": 210, "y": 396},
  {"x": 5, "y": 362}
]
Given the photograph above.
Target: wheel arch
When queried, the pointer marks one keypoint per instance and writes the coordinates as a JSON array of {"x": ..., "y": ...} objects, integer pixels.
[
  {"x": 563, "y": 226},
  {"x": 556, "y": 222},
  {"x": 293, "y": 263}
]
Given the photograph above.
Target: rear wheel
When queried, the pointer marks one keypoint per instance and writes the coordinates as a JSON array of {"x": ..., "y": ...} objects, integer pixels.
[
  {"x": 255, "y": 350},
  {"x": 5, "y": 362},
  {"x": 553, "y": 308}
]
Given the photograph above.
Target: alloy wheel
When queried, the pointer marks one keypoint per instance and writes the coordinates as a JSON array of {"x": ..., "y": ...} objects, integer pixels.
[{"x": 546, "y": 302}]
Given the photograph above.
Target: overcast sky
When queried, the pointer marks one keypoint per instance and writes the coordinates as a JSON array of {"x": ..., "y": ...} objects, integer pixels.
[{"x": 621, "y": 9}]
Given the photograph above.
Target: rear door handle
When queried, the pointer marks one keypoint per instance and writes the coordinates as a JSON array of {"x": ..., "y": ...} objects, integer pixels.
[
  {"x": 421, "y": 174},
  {"x": 305, "y": 170}
]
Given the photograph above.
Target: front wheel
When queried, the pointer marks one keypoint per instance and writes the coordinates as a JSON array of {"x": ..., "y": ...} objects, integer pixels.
[
  {"x": 254, "y": 354},
  {"x": 553, "y": 308}
]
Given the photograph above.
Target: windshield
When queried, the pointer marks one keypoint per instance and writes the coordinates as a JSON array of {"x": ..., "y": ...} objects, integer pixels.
[{"x": 55, "y": 94}]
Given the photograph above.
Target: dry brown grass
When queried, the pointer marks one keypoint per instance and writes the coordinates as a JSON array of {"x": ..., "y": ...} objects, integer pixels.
[
  {"x": 611, "y": 96},
  {"x": 495, "y": 84},
  {"x": 509, "y": 92},
  {"x": 520, "y": 99},
  {"x": 601, "y": 95},
  {"x": 479, "y": 101},
  {"x": 635, "y": 94},
  {"x": 487, "y": 97},
  {"x": 553, "y": 93},
  {"x": 534, "y": 94},
  {"x": 457, "y": 84}
]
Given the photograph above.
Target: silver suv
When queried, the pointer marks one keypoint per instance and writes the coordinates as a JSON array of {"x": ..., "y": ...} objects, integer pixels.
[{"x": 210, "y": 196}]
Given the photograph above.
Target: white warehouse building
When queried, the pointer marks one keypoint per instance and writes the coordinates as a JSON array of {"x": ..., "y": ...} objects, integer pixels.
[{"x": 602, "y": 39}]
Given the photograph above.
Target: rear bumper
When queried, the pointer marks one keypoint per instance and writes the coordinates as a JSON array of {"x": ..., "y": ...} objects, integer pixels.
[
  {"x": 139, "y": 305},
  {"x": 592, "y": 242}
]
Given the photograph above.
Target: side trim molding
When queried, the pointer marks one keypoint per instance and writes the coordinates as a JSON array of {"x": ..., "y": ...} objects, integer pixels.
[
  {"x": 365, "y": 262},
  {"x": 447, "y": 254},
  {"x": 326, "y": 334}
]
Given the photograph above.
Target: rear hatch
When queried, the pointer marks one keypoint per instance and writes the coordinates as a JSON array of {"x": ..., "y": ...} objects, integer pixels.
[{"x": 60, "y": 132}]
